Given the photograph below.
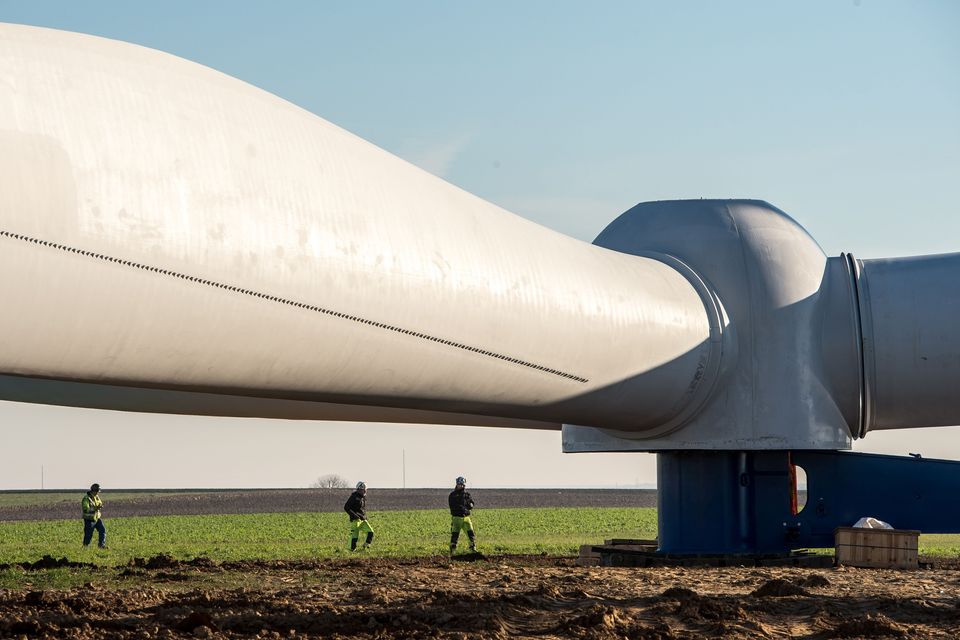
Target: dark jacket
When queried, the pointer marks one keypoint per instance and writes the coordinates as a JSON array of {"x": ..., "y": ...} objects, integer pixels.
[
  {"x": 356, "y": 506},
  {"x": 460, "y": 503}
]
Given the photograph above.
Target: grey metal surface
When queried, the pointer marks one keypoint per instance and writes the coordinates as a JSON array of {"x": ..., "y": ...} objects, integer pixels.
[
  {"x": 776, "y": 286},
  {"x": 911, "y": 322}
]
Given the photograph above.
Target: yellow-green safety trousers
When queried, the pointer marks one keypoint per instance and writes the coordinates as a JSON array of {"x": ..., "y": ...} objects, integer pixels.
[
  {"x": 458, "y": 524},
  {"x": 356, "y": 528}
]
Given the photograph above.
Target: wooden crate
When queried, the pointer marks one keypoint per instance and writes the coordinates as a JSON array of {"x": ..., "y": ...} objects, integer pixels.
[
  {"x": 878, "y": 548},
  {"x": 588, "y": 557}
]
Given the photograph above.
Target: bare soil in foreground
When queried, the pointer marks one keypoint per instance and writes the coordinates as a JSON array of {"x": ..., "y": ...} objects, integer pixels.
[{"x": 496, "y": 597}]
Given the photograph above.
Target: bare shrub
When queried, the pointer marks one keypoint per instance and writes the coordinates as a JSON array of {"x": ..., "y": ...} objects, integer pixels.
[{"x": 330, "y": 481}]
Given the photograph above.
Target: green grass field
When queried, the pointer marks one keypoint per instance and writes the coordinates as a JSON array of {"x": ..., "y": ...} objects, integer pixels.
[
  {"x": 322, "y": 535},
  {"x": 297, "y": 536},
  {"x": 290, "y": 536}
]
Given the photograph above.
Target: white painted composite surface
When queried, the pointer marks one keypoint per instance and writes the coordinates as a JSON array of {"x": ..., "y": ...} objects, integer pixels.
[{"x": 164, "y": 226}]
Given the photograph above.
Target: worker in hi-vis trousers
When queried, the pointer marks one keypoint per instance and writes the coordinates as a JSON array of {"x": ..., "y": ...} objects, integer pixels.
[
  {"x": 91, "y": 505},
  {"x": 460, "y": 505},
  {"x": 356, "y": 508}
]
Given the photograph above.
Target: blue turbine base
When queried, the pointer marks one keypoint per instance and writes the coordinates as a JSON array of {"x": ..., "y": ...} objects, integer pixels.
[{"x": 721, "y": 502}]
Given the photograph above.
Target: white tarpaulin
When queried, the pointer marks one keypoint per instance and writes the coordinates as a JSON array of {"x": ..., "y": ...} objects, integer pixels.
[{"x": 871, "y": 523}]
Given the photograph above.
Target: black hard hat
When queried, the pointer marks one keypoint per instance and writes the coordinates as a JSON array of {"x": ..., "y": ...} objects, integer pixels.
[{"x": 94, "y": 487}]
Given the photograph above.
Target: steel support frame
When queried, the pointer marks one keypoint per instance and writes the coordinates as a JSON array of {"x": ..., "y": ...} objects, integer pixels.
[{"x": 740, "y": 502}]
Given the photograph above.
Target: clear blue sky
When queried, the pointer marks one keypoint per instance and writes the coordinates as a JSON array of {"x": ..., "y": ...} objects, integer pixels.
[{"x": 844, "y": 114}]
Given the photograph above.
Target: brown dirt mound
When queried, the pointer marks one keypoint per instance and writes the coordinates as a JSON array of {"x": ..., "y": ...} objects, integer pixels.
[
  {"x": 599, "y": 621},
  {"x": 47, "y": 562},
  {"x": 870, "y": 626},
  {"x": 195, "y": 620},
  {"x": 160, "y": 561},
  {"x": 779, "y": 588},
  {"x": 378, "y": 598},
  {"x": 679, "y": 593},
  {"x": 41, "y": 598},
  {"x": 815, "y": 581}
]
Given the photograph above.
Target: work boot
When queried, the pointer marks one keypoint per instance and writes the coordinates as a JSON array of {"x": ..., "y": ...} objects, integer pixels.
[{"x": 453, "y": 549}]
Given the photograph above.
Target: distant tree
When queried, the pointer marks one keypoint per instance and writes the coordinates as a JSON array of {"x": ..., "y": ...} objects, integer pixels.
[{"x": 330, "y": 481}]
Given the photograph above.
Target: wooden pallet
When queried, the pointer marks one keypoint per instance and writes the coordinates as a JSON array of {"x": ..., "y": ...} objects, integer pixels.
[
  {"x": 643, "y": 553},
  {"x": 591, "y": 557},
  {"x": 615, "y": 556}
]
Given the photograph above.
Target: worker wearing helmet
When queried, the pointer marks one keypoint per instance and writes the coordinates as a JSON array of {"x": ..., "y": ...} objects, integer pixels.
[
  {"x": 460, "y": 505},
  {"x": 91, "y": 505},
  {"x": 356, "y": 508}
]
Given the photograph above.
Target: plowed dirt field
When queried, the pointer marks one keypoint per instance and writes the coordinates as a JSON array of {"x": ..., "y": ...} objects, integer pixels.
[
  {"x": 495, "y": 597},
  {"x": 208, "y": 502}
]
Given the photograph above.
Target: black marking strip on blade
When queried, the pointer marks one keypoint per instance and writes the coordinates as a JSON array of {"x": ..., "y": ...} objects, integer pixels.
[{"x": 293, "y": 303}]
